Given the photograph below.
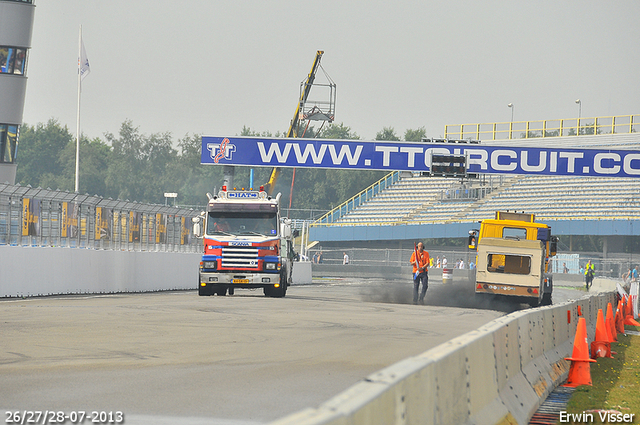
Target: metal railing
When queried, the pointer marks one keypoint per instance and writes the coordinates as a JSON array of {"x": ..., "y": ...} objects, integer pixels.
[
  {"x": 388, "y": 256},
  {"x": 621, "y": 124},
  {"x": 612, "y": 267},
  {"x": 47, "y": 218},
  {"x": 358, "y": 199}
]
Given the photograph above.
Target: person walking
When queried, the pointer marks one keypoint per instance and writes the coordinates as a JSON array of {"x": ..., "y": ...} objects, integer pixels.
[
  {"x": 589, "y": 272},
  {"x": 345, "y": 258},
  {"x": 420, "y": 261}
]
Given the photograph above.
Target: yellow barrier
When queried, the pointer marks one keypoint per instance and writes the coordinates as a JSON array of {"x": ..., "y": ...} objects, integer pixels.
[{"x": 621, "y": 124}]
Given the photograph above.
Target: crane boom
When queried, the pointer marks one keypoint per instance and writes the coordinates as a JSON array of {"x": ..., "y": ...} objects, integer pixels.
[{"x": 293, "y": 125}]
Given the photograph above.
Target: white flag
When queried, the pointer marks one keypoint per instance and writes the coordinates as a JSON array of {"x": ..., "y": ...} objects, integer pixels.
[{"x": 83, "y": 62}]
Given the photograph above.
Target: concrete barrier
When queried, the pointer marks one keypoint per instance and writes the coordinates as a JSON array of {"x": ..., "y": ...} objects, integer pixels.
[
  {"x": 26, "y": 271},
  {"x": 302, "y": 273},
  {"x": 497, "y": 374}
]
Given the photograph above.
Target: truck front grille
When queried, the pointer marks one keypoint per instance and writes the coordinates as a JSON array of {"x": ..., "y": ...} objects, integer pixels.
[{"x": 235, "y": 256}]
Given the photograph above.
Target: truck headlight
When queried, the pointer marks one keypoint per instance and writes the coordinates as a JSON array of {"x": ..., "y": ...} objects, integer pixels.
[
  {"x": 209, "y": 264},
  {"x": 269, "y": 266}
]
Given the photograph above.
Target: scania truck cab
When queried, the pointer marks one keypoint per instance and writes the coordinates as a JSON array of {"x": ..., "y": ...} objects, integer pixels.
[{"x": 246, "y": 244}]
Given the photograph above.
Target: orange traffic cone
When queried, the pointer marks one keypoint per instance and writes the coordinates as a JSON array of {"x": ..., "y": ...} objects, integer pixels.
[
  {"x": 580, "y": 371},
  {"x": 629, "y": 320},
  {"x": 601, "y": 346},
  {"x": 611, "y": 323},
  {"x": 620, "y": 318}
]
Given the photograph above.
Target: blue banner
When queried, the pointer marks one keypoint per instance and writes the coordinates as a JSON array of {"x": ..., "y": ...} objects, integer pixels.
[{"x": 416, "y": 156}]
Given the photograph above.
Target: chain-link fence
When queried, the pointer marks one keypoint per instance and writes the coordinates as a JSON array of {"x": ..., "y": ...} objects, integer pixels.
[
  {"x": 389, "y": 256},
  {"x": 47, "y": 218},
  {"x": 614, "y": 266}
]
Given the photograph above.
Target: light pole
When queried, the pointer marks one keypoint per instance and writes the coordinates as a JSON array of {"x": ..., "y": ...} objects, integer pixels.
[
  {"x": 510, "y": 105},
  {"x": 579, "y": 115}
]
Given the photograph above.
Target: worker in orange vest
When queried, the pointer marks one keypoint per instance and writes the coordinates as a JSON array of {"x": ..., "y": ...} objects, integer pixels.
[{"x": 420, "y": 261}]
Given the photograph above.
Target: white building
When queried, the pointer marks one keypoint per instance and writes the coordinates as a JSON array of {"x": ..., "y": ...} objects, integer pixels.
[{"x": 16, "y": 24}]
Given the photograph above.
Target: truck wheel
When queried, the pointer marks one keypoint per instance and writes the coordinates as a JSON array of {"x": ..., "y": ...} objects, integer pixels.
[
  {"x": 221, "y": 290},
  {"x": 271, "y": 291},
  {"x": 548, "y": 290},
  {"x": 279, "y": 292},
  {"x": 231, "y": 290},
  {"x": 204, "y": 290}
]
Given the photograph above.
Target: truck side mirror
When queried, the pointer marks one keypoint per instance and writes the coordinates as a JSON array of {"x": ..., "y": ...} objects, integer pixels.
[
  {"x": 197, "y": 227},
  {"x": 285, "y": 228},
  {"x": 553, "y": 246},
  {"x": 472, "y": 242}
]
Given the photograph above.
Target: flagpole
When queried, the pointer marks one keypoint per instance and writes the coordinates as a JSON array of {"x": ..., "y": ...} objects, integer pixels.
[{"x": 78, "y": 114}]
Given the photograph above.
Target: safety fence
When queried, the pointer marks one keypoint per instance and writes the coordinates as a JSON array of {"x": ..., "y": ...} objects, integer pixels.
[
  {"x": 621, "y": 124},
  {"x": 46, "y": 218},
  {"x": 387, "y": 256},
  {"x": 614, "y": 266}
]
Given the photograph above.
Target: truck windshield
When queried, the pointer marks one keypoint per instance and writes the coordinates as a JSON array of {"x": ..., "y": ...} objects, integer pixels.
[
  {"x": 514, "y": 233},
  {"x": 242, "y": 223}
]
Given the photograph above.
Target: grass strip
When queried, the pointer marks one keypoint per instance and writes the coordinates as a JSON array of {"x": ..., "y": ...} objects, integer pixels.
[{"x": 616, "y": 383}]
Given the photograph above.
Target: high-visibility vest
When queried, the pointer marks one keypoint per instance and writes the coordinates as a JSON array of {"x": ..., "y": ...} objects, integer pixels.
[
  {"x": 423, "y": 260},
  {"x": 587, "y": 268}
]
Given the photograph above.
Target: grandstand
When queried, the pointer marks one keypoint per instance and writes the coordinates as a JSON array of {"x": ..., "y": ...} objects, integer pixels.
[
  {"x": 410, "y": 204},
  {"x": 422, "y": 199}
]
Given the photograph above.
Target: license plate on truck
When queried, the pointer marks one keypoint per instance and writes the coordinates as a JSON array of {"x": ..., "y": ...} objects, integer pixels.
[{"x": 240, "y": 281}]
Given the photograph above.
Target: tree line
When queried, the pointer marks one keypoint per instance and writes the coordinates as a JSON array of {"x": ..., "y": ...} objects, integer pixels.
[{"x": 140, "y": 167}]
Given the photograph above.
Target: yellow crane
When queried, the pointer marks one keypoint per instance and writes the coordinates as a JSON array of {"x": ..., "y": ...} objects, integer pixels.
[{"x": 293, "y": 126}]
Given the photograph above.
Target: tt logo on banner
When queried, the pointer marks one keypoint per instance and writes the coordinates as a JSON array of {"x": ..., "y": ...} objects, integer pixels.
[{"x": 223, "y": 150}]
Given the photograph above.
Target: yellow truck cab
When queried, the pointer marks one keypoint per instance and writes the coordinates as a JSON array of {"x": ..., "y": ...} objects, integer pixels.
[{"x": 513, "y": 258}]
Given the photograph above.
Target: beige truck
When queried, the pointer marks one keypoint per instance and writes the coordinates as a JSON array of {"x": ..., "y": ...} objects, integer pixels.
[{"x": 513, "y": 258}]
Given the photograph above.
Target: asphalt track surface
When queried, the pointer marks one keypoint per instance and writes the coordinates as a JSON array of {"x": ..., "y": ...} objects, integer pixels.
[{"x": 175, "y": 357}]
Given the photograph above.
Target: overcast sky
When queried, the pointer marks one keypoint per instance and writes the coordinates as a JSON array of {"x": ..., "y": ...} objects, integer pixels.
[{"x": 212, "y": 66}]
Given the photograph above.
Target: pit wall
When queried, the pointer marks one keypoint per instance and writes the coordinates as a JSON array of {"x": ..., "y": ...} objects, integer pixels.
[
  {"x": 26, "y": 271},
  {"x": 36, "y": 271},
  {"x": 497, "y": 374}
]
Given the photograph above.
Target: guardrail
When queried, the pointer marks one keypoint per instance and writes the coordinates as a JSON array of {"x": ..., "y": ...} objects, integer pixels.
[
  {"x": 358, "y": 199},
  {"x": 620, "y": 124},
  {"x": 46, "y": 218},
  {"x": 497, "y": 374}
]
